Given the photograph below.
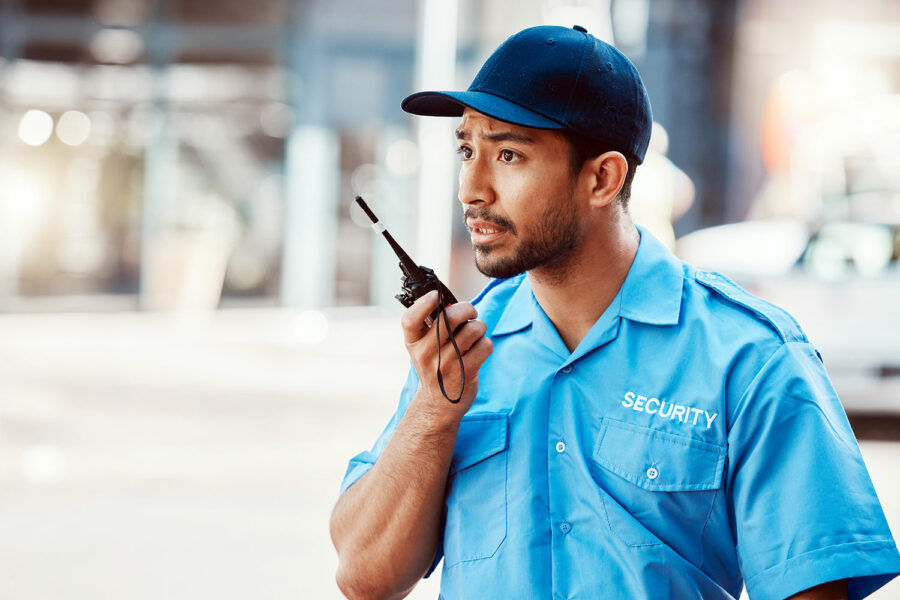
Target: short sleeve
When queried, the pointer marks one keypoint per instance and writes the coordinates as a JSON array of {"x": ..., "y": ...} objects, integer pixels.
[
  {"x": 362, "y": 462},
  {"x": 804, "y": 508}
]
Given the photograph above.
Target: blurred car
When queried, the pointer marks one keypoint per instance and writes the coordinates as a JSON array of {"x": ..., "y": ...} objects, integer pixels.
[{"x": 842, "y": 284}]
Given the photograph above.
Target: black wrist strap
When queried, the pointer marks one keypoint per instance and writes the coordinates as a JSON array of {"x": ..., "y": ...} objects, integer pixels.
[{"x": 462, "y": 370}]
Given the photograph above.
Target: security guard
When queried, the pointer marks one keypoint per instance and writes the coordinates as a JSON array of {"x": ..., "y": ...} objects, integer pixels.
[{"x": 630, "y": 427}]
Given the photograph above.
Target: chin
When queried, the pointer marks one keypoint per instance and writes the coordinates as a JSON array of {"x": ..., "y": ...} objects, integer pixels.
[{"x": 495, "y": 266}]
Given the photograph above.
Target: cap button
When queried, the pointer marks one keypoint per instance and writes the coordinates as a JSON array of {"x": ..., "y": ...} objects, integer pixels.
[{"x": 579, "y": 28}]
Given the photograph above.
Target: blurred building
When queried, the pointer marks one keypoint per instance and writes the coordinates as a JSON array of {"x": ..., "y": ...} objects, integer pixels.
[
  {"x": 185, "y": 154},
  {"x": 163, "y": 151}
]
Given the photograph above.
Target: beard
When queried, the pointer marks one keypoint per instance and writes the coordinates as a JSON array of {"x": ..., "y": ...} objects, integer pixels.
[{"x": 550, "y": 244}]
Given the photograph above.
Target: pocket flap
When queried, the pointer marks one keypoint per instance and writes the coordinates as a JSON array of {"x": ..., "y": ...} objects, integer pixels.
[
  {"x": 659, "y": 461},
  {"x": 480, "y": 436}
]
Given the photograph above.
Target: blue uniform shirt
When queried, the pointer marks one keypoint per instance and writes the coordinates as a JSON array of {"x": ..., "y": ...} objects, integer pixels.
[{"x": 690, "y": 444}]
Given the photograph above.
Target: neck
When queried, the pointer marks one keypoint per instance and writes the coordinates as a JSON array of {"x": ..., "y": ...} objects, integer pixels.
[{"x": 575, "y": 294}]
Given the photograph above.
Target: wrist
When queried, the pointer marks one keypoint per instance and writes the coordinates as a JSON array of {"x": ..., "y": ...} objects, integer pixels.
[{"x": 434, "y": 415}]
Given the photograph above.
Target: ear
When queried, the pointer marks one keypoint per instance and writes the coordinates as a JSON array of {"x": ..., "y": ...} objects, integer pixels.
[{"x": 607, "y": 172}]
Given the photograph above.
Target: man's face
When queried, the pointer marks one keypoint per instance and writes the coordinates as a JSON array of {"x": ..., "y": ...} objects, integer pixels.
[{"x": 517, "y": 190}]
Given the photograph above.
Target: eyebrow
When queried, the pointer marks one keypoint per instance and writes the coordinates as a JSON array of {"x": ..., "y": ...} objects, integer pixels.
[{"x": 502, "y": 136}]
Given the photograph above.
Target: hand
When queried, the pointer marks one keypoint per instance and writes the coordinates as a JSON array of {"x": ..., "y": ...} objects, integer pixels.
[{"x": 422, "y": 345}]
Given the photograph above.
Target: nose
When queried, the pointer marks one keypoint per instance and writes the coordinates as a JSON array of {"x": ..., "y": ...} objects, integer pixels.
[{"x": 475, "y": 183}]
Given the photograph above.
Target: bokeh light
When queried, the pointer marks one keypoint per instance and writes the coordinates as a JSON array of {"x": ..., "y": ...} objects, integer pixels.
[
  {"x": 276, "y": 119},
  {"x": 403, "y": 158},
  {"x": 117, "y": 46},
  {"x": 364, "y": 180},
  {"x": 35, "y": 127},
  {"x": 103, "y": 128},
  {"x": 311, "y": 327},
  {"x": 73, "y": 128}
]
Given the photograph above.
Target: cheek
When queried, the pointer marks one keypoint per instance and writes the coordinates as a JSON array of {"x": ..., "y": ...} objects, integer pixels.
[
  {"x": 527, "y": 195},
  {"x": 522, "y": 188},
  {"x": 532, "y": 191},
  {"x": 516, "y": 200}
]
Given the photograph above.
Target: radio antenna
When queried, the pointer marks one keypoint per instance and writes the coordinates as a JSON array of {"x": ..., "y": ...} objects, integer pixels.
[
  {"x": 417, "y": 282},
  {"x": 411, "y": 268}
]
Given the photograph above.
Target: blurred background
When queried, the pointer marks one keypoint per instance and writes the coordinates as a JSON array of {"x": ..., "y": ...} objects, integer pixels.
[{"x": 197, "y": 331}]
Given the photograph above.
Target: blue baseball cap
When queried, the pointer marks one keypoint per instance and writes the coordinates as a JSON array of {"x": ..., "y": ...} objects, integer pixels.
[{"x": 552, "y": 77}]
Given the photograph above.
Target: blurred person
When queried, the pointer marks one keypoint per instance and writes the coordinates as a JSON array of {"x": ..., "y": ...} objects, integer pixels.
[
  {"x": 797, "y": 159},
  {"x": 661, "y": 193},
  {"x": 629, "y": 426}
]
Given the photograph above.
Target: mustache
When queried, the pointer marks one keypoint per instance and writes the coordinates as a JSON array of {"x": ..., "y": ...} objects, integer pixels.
[{"x": 483, "y": 215}]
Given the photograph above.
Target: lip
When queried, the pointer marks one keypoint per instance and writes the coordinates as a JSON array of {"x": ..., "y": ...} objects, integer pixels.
[{"x": 478, "y": 230}]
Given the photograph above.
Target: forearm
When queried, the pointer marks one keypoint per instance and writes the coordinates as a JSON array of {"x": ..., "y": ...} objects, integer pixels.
[{"x": 386, "y": 527}]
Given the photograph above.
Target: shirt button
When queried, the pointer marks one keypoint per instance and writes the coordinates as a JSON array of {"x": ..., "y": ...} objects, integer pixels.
[
  {"x": 560, "y": 447},
  {"x": 652, "y": 473},
  {"x": 567, "y": 369},
  {"x": 565, "y": 527}
]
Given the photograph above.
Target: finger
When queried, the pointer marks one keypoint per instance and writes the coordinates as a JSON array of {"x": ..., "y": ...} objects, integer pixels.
[
  {"x": 413, "y": 319},
  {"x": 457, "y": 314},
  {"x": 471, "y": 340},
  {"x": 477, "y": 354},
  {"x": 468, "y": 333}
]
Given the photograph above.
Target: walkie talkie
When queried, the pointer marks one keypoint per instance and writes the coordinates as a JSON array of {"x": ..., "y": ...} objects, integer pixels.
[{"x": 417, "y": 281}]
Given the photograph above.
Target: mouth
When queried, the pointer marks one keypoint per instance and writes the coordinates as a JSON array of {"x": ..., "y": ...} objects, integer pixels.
[{"x": 484, "y": 233}]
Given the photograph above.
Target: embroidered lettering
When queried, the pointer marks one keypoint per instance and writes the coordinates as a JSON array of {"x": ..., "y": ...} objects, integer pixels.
[
  {"x": 639, "y": 403},
  {"x": 697, "y": 412},
  {"x": 662, "y": 409},
  {"x": 689, "y": 415}
]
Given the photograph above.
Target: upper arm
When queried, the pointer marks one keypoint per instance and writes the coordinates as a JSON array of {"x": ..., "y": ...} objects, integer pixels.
[{"x": 803, "y": 506}]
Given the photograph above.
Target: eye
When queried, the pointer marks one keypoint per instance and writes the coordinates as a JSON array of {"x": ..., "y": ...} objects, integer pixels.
[
  {"x": 464, "y": 152},
  {"x": 508, "y": 155}
]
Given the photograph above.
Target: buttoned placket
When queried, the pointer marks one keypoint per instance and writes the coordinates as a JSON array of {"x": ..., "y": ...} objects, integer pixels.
[
  {"x": 564, "y": 457},
  {"x": 559, "y": 470}
]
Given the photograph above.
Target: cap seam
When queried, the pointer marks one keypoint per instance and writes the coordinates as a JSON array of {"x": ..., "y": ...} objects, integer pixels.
[
  {"x": 572, "y": 94},
  {"x": 637, "y": 102}
]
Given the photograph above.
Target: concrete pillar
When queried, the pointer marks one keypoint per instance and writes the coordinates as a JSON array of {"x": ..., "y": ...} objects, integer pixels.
[
  {"x": 160, "y": 183},
  {"x": 312, "y": 171},
  {"x": 436, "y": 70},
  {"x": 10, "y": 228}
]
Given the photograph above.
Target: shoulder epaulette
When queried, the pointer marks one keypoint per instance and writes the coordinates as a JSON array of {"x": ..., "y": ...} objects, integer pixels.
[{"x": 778, "y": 319}]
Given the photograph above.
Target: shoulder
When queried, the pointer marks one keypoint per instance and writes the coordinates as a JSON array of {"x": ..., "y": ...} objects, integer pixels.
[
  {"x": 715, "y": 297},
  {"x": 761, "y": 346}
]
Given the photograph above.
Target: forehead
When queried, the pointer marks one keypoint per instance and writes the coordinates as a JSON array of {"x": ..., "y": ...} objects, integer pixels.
[{"x": 478, "y": 125}]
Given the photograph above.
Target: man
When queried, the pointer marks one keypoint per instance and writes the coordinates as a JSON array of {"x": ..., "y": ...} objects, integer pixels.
[{"x": 629, "y": 427}]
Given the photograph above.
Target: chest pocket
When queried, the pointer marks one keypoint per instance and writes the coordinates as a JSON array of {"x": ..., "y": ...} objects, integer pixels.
[
  {"x": 476, "y": 491},
  {"x": 656, "y": 487}
]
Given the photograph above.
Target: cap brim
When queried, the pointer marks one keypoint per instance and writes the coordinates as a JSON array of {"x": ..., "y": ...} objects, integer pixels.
[{"x": 452, "y": 104}]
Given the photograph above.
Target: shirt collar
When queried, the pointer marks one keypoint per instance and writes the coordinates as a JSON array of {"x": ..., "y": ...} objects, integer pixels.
[
  {"x": 520, "y": 310},
  {"x": 650, "y": 294}
]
